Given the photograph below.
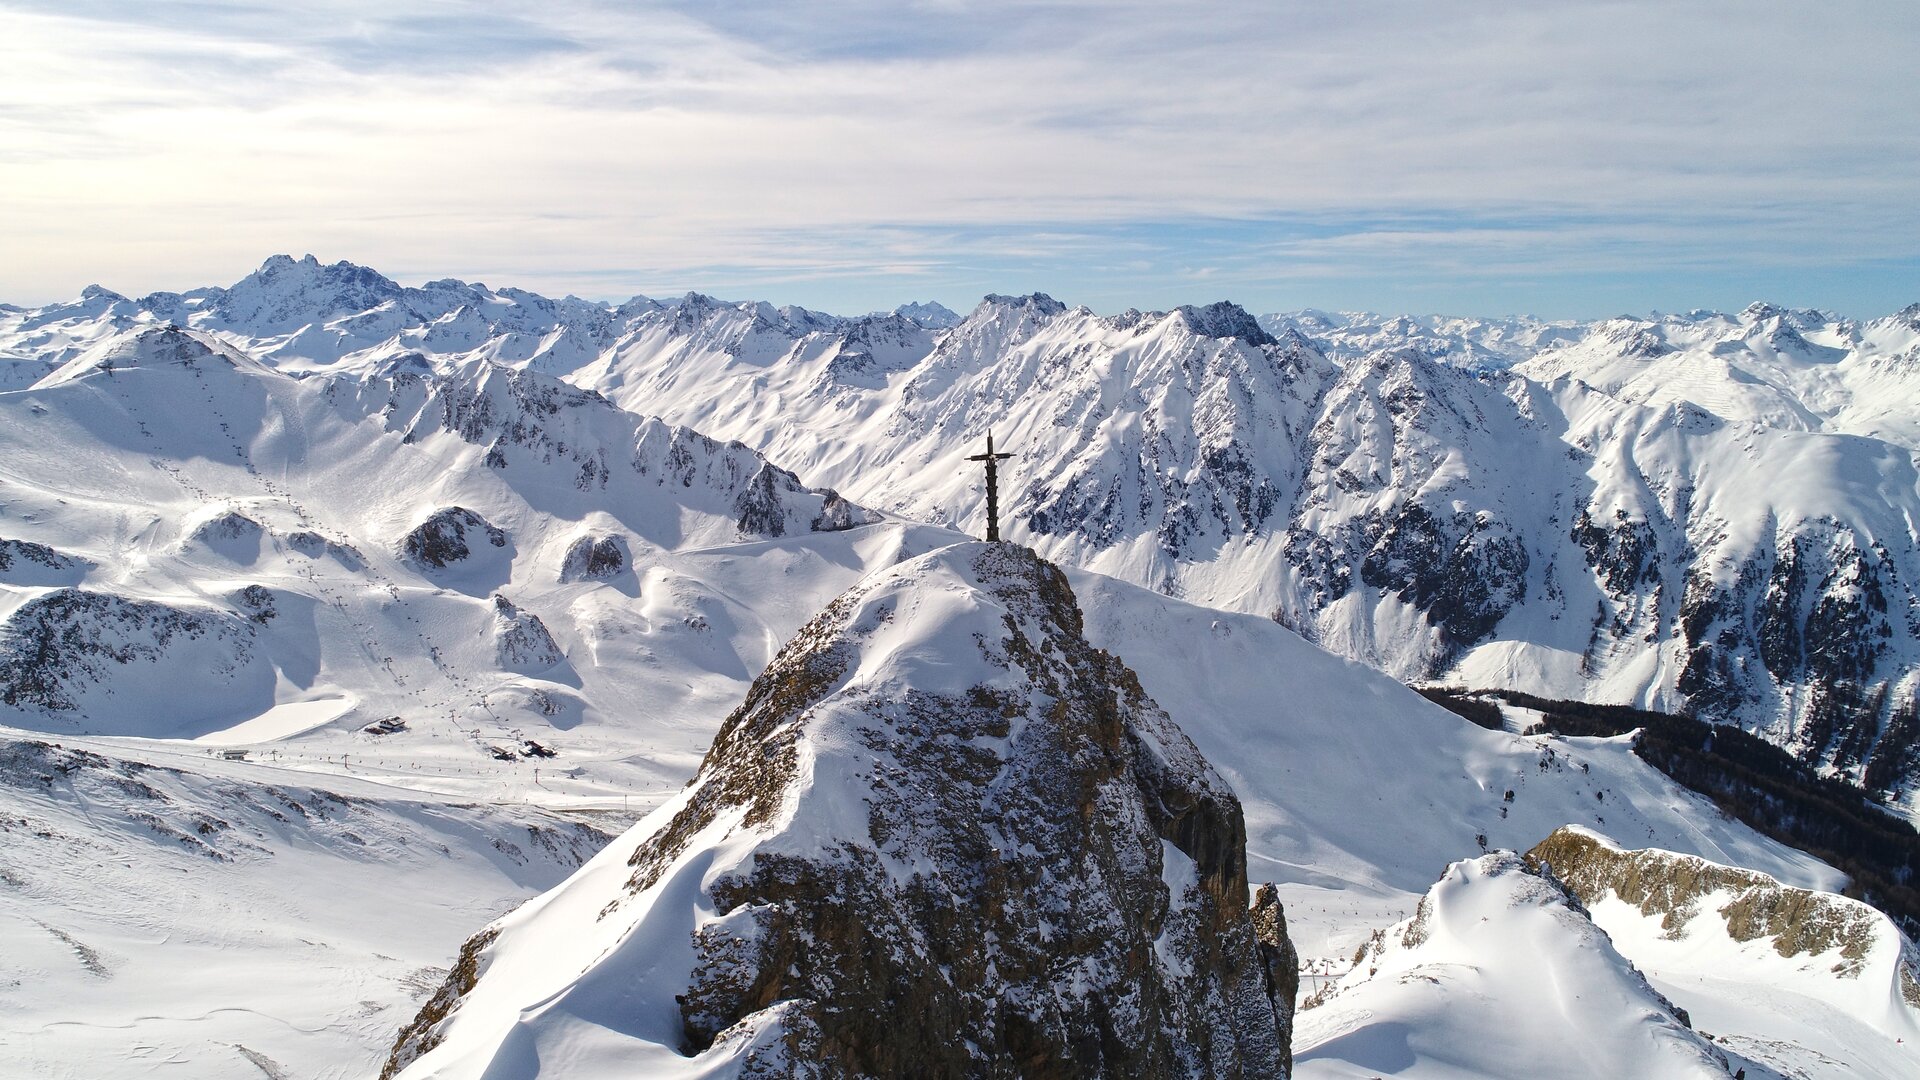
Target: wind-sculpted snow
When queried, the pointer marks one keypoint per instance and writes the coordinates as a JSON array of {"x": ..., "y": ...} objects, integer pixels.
[
  {"x": 235, "y": 920},
  {"x": 1801, "y": 981},
  {"x": 937, "y": 802},
  {"x": 1500, "y": 973}
]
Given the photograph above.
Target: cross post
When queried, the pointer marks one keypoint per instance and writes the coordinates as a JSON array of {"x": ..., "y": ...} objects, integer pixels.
[{"x": 993, "y": 487}]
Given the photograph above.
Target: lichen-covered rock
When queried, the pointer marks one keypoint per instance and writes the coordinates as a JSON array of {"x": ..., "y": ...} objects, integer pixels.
[
  {"x": 938, "y": 804},
  {"x": 1848, "y": 938},
  {"x": 448, "y": 536}
]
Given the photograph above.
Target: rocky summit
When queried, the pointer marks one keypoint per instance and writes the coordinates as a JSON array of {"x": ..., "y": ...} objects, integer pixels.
[{"x": 942, "y": 836}]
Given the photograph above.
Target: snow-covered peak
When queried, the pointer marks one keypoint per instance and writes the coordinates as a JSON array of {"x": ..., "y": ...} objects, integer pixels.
[
  {"x": 1466, "y": 342},
  {"x": 285, "y": 294},
  {"x": 1039, "y": 304},
  {"x": 937, "y": 777},
  {"x": 152, "y": 346},
  {"x": 1224, "y": 319},
  {"x": 931, "y": 314}
]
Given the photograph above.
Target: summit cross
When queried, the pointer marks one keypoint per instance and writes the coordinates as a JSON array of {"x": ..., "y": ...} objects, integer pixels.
[{"x": 993, "y": 487}]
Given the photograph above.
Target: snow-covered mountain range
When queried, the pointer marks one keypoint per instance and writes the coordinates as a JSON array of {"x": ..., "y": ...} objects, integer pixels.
[
  {"x": 458, "y": 566},
  {"x": 1704, "y": 512}
]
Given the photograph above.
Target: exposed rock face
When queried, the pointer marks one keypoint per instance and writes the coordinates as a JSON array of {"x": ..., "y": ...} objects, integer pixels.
[
  {"x": 225, "y": 525},
  {"x": 229, "y": 533},
  {"x": 593, "y": 558},
  {"x": 938, "y": 802},
  {"x": 23, "y": 562},
  {"x": 38, "y": 554},
  {"x": 55, "y": 646},
  {"x": 521, "y": 641},
  {"x": 448, "y": 536},
  {"x": 1846, "y": 934}
]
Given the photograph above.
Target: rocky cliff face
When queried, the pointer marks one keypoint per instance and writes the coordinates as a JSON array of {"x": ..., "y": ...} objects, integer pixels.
[{"x": 938, "y": 802}]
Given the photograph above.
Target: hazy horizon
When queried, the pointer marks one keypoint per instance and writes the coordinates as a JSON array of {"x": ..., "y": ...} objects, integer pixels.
[{"x": 1562, "y": 161}]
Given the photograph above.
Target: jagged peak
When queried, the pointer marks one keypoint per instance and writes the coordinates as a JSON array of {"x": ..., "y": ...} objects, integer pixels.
[
  {"x": 928, "y": 313},
  {"x": 309, "y": 267},
  {"x": 925, "y": 777},
  {"x": 1039, "y": 303},
  {"x": 636, "y": 305},
  {"x": 285, "y": 293},
  {"x": 1224, "y": 319}
]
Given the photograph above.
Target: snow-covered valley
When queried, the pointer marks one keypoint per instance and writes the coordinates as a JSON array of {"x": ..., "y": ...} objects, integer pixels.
[{"x": 361, "y": 615}]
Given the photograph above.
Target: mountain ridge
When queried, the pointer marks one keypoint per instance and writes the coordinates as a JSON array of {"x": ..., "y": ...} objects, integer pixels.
[{"x": 1672, "y": 508}]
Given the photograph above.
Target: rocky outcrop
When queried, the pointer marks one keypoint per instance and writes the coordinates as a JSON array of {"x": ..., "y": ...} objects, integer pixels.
[
  {"x": 1514, "y": 958},
  {"x": 23, "y": 562},
  {"x": 448, "y": 536},
  {"x": 56, "y": 646},
  {"x": 937, "y": 802},
  {"x": 521, "y": 641},
  {"x": 228, "y": 533},
  {"x": 594, "y": 558},
  {"x": 1846, "y": 935}
]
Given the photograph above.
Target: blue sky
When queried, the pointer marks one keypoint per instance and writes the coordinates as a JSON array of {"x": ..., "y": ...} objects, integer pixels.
[{"x": 1568, "y": 160}]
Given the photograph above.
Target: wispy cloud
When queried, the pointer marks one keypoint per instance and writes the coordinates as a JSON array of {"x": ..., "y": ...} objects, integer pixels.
[{"x": 1310, "y": 153}]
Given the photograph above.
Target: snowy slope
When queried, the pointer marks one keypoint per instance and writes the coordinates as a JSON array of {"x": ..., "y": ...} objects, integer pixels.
[
  {"x": 313, "y": 555},
  {"x": 1801, "y": 370},
  {"x": 1351, "y": 835},
  {"x": 1358, "y": 791},
  {"x": 164, "y": 911},
  {"x": 397, "y": 551},
  {"x": 1804, "y": 983},
  {"x": 1499, "y": 974}
]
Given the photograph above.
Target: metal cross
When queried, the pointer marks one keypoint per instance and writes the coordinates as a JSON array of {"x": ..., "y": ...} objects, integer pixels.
[{"x": 993, "y": 487}]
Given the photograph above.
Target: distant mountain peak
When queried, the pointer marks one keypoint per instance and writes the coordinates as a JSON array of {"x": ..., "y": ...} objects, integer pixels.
[
  {"x": 1224, "y": 319},
  {"x": 1039, "y": 303},
  {"x": 931, "y": 314}
]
